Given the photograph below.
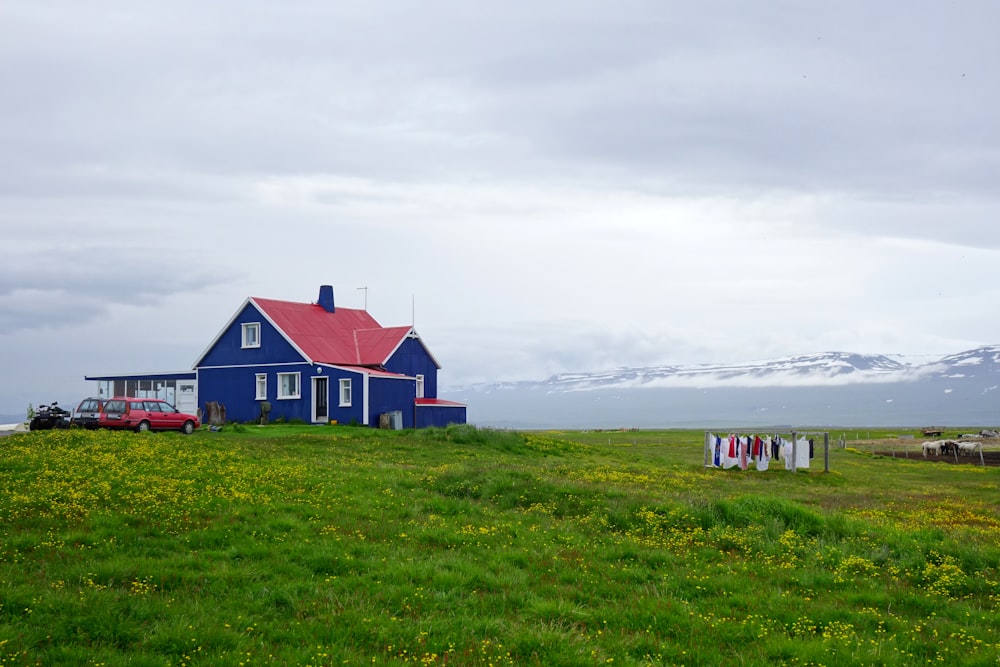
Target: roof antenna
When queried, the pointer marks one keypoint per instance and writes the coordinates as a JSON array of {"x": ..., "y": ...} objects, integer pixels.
[
  {"x": 413, "y": 311},
  {"x": 366, "y": 297}
]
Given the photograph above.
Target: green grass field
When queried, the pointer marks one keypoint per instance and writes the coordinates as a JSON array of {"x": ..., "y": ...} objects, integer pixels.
[{"x": 330, "y": 545}]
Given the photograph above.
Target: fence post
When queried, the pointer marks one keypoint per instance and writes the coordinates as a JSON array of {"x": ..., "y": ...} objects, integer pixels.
[{"x": 795, "y": 452}]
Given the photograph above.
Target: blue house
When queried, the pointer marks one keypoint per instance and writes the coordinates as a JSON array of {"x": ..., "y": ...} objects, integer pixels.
[{"x": 318, "y": 363}]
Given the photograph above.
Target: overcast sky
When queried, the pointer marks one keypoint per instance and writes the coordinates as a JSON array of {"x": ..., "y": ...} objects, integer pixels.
[{"x": 539, "y": 186}]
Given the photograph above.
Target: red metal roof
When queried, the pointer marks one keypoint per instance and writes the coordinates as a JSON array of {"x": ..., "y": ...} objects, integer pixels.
[
  {"x": 380, "y": 343},
  {"x": 345, "y": 336},
  {"x": 373, "y": 372},
  {"x": 438, "y": 402}
]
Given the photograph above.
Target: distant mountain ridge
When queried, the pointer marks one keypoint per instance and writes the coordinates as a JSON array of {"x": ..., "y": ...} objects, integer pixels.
[
  {"x": 814, "y": 368},
  {"x": 847, "y": 387}
]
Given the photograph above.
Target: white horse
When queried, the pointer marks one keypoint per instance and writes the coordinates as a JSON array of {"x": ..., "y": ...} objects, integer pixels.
[
  {"x": 967, "y": 448},
  {"x": 932, "y": 447}
]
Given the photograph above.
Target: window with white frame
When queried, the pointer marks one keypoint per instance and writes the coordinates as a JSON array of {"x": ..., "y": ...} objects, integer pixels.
[
  {"x": 251, "y": 334},
  {"x": 420, "y": 385},
  {"x": 288, "y": 385},
  {"x": 345, "y": 392},
  {"x": 261, "y": 386}
]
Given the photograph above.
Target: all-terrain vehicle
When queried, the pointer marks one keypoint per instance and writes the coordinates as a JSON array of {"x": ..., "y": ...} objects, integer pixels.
[{"x": 48, "y": 417}]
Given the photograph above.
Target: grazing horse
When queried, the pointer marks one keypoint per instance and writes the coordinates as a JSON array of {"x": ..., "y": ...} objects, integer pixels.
[
  {"x": 948, "y": 447},
  {"x": 968, "y": 448},
  {"x": 932, "y": 447}
]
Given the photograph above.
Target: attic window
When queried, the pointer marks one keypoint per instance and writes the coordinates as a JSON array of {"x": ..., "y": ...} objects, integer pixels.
[{"x": 251, "y": 334}]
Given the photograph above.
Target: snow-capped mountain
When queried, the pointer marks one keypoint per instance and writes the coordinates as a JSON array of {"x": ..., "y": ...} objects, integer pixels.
[
  {"x": 813, "y": 369},
  {"x": 982, "y": 362},
  {"x": 824, "y": 388}
]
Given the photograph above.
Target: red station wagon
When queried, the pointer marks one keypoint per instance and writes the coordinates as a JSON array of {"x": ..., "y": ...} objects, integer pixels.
[
  {"x": 88, "y": 413},
  {"x": 145, "y": 414}
]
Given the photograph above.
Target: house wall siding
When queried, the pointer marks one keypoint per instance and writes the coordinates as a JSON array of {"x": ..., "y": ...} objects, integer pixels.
[
  {"x": 390, "y": 395},
  {"x": 411, "y": 358},
  {"x": 236, "y": 388},
  {"x": 232, "y": 387},
  {"x": 356, "y": 411},
  {"x": 439, "y": 416},
  {"x": 229, "y": 351}
]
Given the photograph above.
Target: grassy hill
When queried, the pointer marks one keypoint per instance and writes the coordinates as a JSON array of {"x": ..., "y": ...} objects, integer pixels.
[{"x": 288, "y": 545}]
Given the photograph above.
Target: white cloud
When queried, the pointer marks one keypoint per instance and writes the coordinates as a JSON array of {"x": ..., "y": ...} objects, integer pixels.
[{"x": 544, "y": 188}]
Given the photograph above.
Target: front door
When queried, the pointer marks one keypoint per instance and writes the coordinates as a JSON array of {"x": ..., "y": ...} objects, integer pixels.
[{"x": 321, "y": 399}]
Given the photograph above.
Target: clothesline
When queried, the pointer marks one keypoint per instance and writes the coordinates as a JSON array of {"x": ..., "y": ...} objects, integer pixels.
[{"x": 756, "y": 451}]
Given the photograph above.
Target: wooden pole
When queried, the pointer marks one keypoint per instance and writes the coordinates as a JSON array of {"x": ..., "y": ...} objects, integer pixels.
[
  {"x": 795, "y": 452},
  {"x": 826, "y": 452}
]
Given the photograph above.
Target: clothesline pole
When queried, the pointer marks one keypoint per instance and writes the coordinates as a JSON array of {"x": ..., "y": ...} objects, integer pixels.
[{"x": 826, "y": 452}]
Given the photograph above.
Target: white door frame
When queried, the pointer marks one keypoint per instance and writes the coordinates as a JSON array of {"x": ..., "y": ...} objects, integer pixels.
[{"x": 315, "y": 395}]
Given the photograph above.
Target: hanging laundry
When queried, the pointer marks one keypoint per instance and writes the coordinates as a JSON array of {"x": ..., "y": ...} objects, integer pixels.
[
  {"x": 788, "y": 453},
  {"x": 763, "y": 459},
  {"x": 729, "y": 458},
  {"x": 755, "y": 450},
  {"x": 803, "y": 454}
]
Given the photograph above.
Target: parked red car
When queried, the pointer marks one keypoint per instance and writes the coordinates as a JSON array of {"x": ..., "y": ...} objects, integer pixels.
[
  {"x": 88, "y": 413},
  {"x": 145, "y": 414}
]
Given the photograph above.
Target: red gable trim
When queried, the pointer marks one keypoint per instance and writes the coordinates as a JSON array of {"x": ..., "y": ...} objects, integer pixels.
[
  {"x": 371, "y": 372},
  {"x": 251, "y": 301},
  {"x": 409, "y": 332},
  {"x": 224, "y": 329}
]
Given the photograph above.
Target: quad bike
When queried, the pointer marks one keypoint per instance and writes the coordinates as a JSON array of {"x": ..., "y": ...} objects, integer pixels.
[{"x": 48, "y": 417}]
